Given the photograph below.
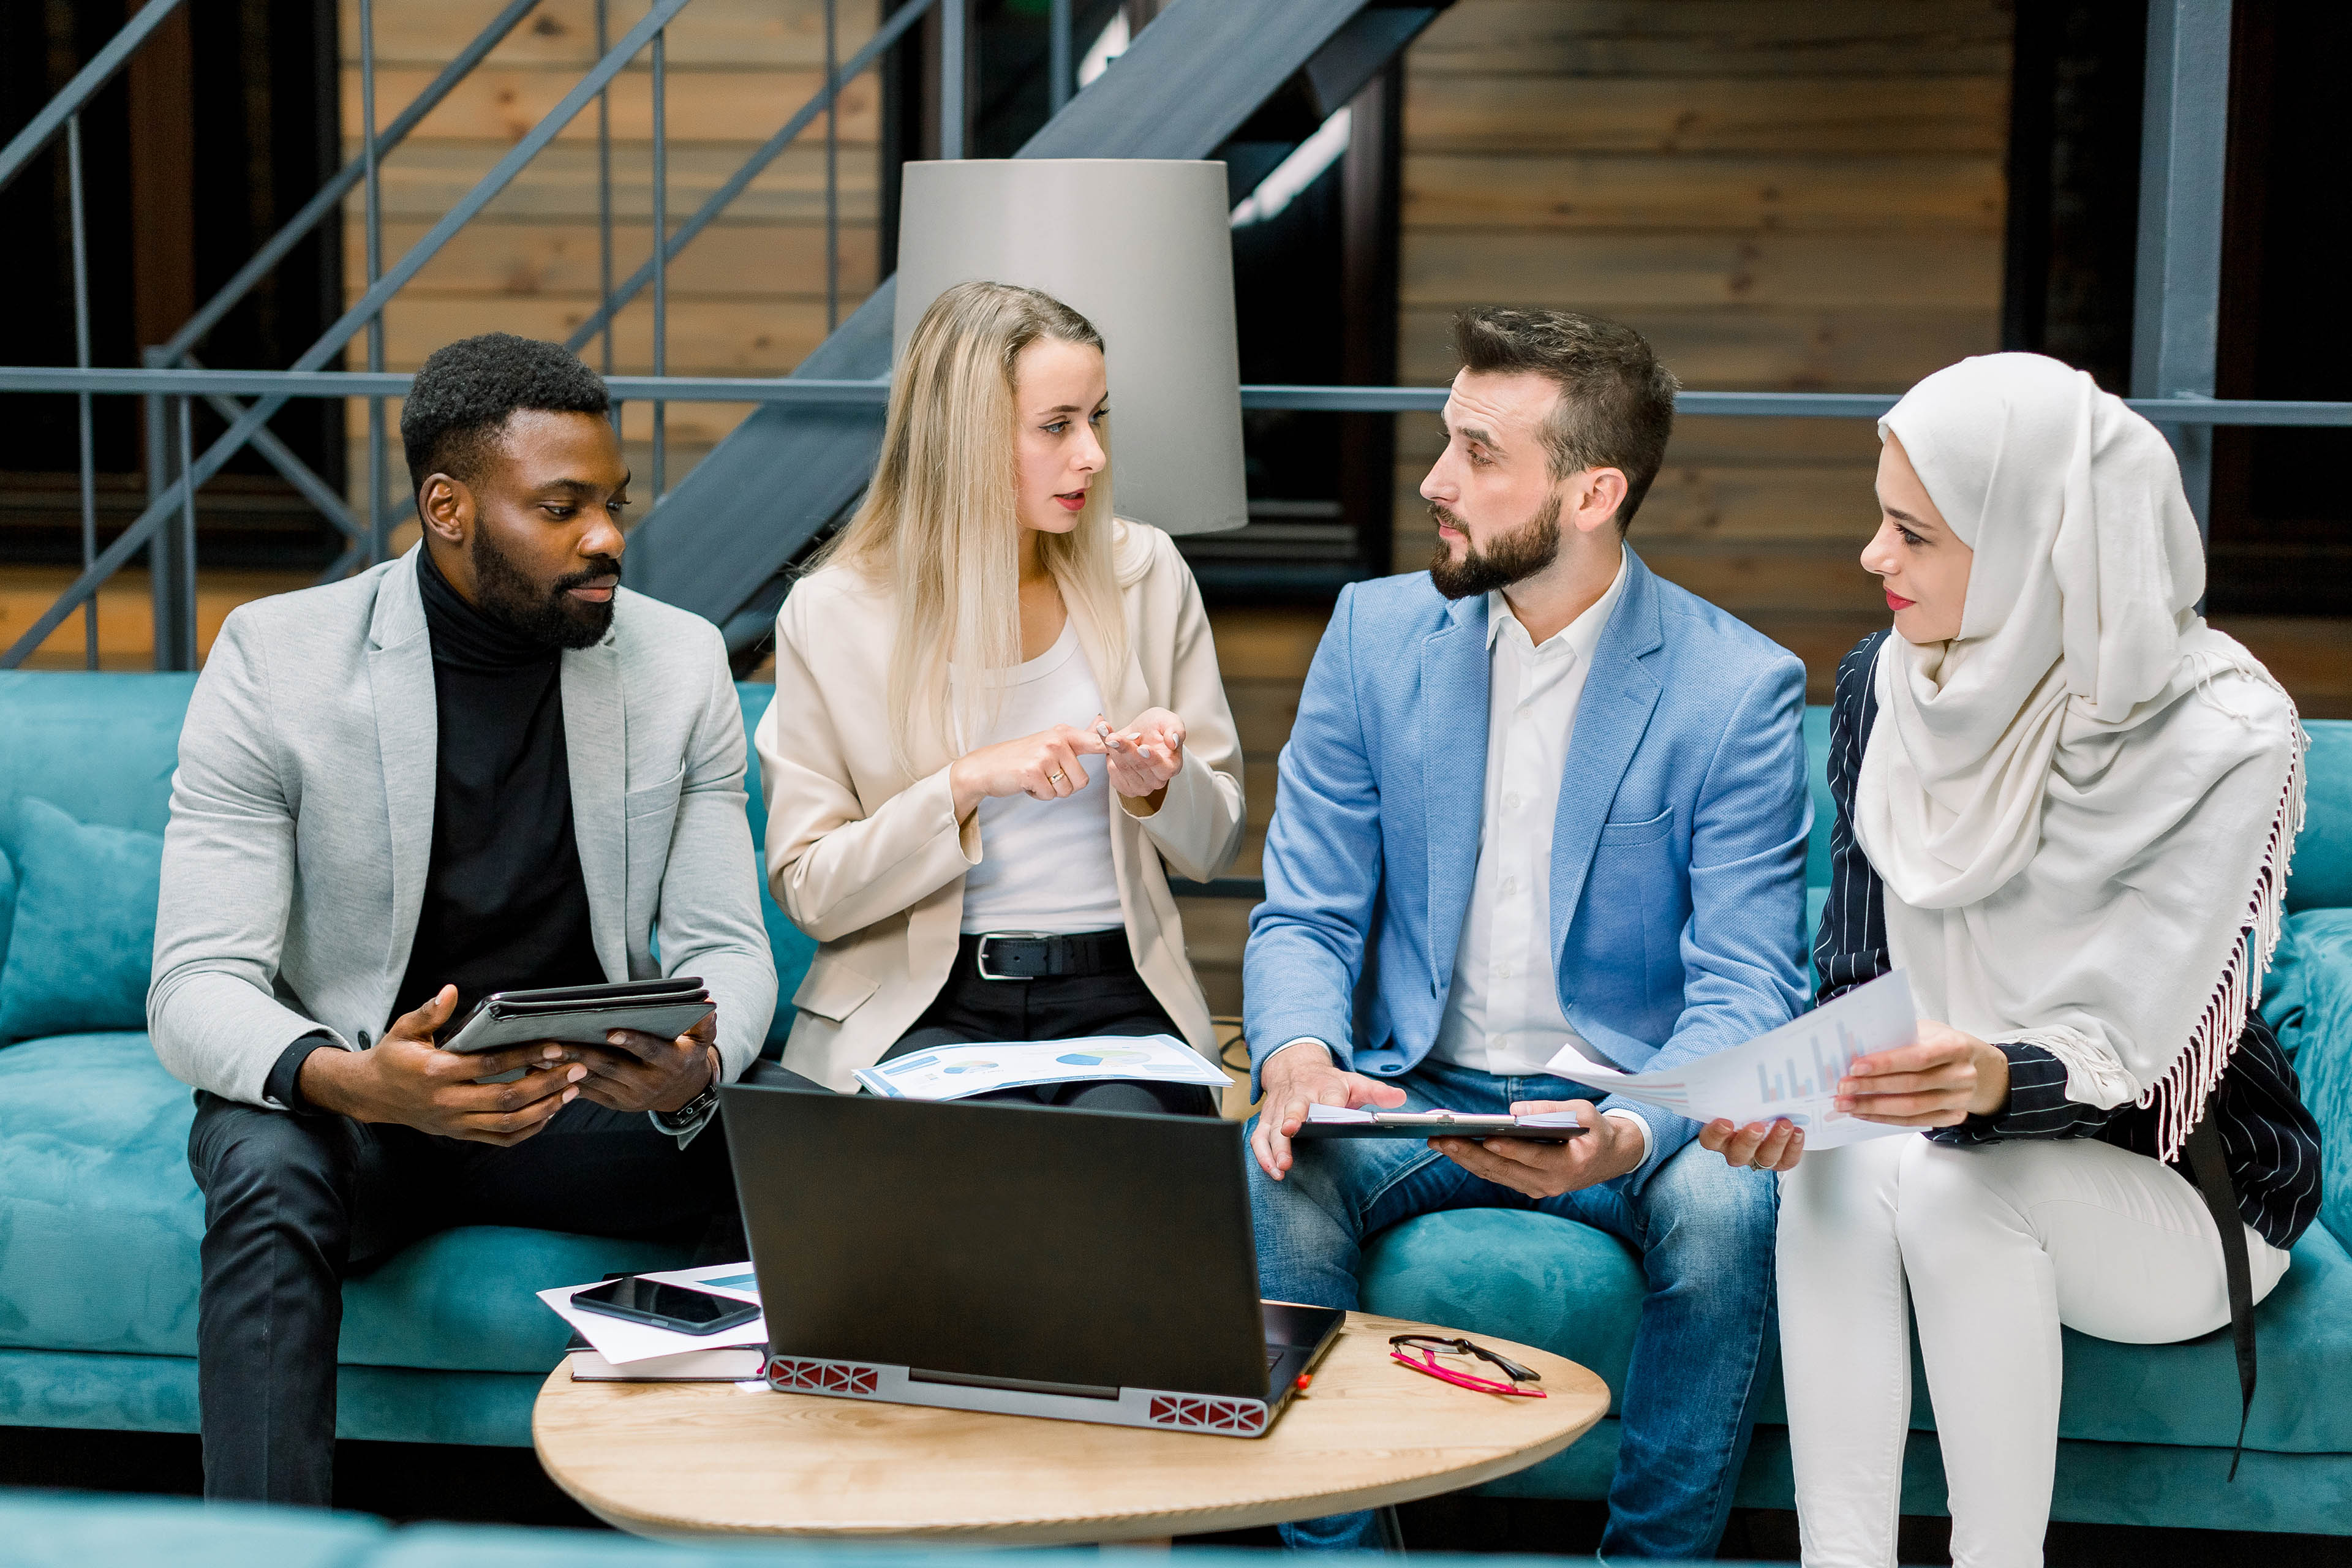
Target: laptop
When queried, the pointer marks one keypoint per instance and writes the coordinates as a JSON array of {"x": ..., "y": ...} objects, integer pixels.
[{"x": 1027, "y": 1260}]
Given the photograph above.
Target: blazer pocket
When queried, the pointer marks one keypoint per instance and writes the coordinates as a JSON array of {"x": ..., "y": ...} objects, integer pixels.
[
  {"x": 1629, "y": 834},
  {"x": 834, "y": 991},
  {"x": 662, "y": 797}
]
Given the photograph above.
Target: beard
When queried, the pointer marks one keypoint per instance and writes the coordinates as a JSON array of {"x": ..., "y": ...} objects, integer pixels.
[
  {"x": 1513, "y": 558},
  {"x": 549, "y": 616}
]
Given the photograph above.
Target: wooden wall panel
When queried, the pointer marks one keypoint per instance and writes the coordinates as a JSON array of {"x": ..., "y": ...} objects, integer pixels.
[
  {"x": 1781, "y": 194},
  {"x": 746, "y": 298}
]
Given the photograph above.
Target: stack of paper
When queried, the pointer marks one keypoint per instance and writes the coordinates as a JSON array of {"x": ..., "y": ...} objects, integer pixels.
[
  {"x": 1791, "y": 1073},
  {"x": 639, "y": 1353}
]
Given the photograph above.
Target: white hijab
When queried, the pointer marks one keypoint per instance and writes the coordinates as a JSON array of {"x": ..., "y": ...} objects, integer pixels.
[{"x": 2083, "y": 805}]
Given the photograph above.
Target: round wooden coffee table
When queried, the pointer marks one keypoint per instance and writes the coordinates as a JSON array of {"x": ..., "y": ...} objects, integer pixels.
[{"x": 692, "y": 1460}]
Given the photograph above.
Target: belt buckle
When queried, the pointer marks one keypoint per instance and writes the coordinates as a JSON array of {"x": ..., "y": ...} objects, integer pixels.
[{"x": 980, "y": 958}]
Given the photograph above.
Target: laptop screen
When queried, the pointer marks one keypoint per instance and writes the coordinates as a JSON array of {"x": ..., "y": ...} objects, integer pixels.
[{"x": 1002, "y": 1241}]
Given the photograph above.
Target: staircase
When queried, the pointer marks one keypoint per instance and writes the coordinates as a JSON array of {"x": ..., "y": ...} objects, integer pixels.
[{"x": 723, "y": 540}]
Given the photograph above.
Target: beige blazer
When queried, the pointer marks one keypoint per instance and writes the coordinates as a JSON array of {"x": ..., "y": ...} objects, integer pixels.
[{"x": 870, "y": 859}]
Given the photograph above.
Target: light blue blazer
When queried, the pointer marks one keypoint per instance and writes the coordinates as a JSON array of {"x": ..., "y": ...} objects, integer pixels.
[{"x": 1678, "y": 855}]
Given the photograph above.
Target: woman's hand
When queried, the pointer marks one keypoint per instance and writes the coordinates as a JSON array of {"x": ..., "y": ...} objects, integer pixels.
[
  {"x": 1941, "y": 1081},
  {"x": 1042, "y": 766},
  {"x": 1775, "y": 1145},
  {"x": 1145, "y": 755}
]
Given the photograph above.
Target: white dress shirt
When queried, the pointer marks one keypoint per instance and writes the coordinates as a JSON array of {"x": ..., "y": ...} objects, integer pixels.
[{"x": 1502, "y": 1013}]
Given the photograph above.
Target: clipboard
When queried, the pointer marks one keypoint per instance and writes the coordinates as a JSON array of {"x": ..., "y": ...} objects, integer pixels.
[{"x": 1333, "y": 1121}]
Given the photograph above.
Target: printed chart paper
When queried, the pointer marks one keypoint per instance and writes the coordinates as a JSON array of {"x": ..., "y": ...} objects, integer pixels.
[
  {"x": 954, "y": 1072},
  {"x": 1790, "y": 1073}
]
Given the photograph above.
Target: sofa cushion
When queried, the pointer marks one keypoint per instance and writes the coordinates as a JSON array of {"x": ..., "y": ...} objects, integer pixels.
[
  {"x": 106, "y": 744},
  {"x": 100, "y": 1221},
  {"x": 1570, "y": 1290},
  {"x": 7, "y": 901},
  {"x": 98, "y": 1215},
  {"x": 2321, "y": 873},
  {"x": 1534, "y": 1277},
  {"x": 64, "y": 1528},
  {"x": 793, "y": 947},
  {"x": 83, "y": 939}
]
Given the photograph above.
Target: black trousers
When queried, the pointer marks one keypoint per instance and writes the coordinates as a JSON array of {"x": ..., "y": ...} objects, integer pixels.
[
  {"x": 968, "y": 1009},
  {"x": 293, "y": 1203}
]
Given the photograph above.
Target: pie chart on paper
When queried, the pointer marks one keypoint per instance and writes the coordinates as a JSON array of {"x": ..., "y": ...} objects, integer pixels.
[{"x": 1101, "y": 1057}]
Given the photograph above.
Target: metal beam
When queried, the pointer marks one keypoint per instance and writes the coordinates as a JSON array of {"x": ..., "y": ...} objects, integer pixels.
[
  {"x": 86, "y": 82},
  {"x": 821, "y": 392},
  {"x": 331, "y": 194},
  {"x": 2184, "y": 149},
  {"x": 501, "y": 174},
  {"x": 1182, "y": 88},
  {"x": 741, "y": 181}
]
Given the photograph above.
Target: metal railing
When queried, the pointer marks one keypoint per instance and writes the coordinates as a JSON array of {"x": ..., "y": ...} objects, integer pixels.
[
  {"x": 2180, "y": 98},
  {"x": 173, "y": 377}
]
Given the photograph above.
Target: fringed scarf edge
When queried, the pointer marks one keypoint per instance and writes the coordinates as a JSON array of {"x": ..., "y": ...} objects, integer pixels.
[{"x": 2180, "y": 1094}]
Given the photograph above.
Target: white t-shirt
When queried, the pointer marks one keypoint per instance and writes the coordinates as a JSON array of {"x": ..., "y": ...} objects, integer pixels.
[{"x": 1046, "y": 864}]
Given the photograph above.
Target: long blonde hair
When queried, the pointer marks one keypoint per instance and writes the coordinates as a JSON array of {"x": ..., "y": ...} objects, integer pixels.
[{"x": 940, "y": 527}]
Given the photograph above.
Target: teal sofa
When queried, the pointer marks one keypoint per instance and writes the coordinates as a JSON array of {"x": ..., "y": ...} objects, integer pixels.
[{"x": 100, "y": 1219}]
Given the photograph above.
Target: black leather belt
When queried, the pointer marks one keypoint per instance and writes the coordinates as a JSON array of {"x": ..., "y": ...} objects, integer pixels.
[{"x": 1039, "y": 955}]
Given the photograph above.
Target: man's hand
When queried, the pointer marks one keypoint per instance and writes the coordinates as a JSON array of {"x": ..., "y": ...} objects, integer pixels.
[
  {"x": 646, "y": 1072},
  {"x": 1941, "y": 1081},
  {"x": 1608, "y": 1150},
  {"x": 408, "y": 1080},
  {"x": 1776, "y": 1145},
  {"x": 1295, "y": 1077}
]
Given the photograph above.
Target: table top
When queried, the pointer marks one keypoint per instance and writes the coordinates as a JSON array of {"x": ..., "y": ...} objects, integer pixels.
[{"x": 690, "y": 1460}]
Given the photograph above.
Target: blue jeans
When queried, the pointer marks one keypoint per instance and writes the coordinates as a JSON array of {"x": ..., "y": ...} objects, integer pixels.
[{"x": 1704, "y": 1232}]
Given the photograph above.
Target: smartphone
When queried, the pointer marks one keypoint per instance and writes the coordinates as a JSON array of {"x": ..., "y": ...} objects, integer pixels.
[{"x": 676, "y": 1308}]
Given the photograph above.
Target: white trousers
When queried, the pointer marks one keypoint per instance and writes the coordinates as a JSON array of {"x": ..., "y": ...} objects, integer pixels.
[{"x": 1998, "y": 1245}]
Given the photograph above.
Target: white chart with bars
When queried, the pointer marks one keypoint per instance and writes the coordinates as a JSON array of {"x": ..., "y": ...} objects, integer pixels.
[{"x": 1791, "y": 1072}]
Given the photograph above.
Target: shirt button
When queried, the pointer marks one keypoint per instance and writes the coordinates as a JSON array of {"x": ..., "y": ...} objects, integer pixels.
[
  {"x": 1510, "y": 884},
  {"x": 1511, "y": 802},
  {"x": 1504, "y": 970}
]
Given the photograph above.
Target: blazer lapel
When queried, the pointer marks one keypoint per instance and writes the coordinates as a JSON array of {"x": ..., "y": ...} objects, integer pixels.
[
  {"x": 1619, "y": 693},
  {"x": 596, "y": 752},
  {"x": 1454, "y": 697},
  {"x": 407, "y": 736}
]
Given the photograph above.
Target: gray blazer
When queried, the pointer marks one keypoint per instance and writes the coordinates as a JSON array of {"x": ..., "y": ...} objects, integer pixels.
[{"x": 301, "y": 825}]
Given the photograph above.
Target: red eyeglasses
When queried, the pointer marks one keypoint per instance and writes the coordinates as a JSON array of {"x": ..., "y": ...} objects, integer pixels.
[{"x": 1426, "y": 1363}]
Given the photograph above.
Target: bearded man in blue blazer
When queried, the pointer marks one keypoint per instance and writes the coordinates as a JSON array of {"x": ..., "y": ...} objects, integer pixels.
[{"x": 1539, "y": 806}]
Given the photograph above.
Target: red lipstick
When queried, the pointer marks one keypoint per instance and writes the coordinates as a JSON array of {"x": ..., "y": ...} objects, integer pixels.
[{"x": 1897, "y": 603}]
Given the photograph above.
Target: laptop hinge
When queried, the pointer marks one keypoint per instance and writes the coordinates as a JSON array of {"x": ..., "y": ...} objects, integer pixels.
[{"x": 1014, "y": 1384}]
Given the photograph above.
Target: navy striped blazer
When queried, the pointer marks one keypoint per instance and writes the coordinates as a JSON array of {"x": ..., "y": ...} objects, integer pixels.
[{"x": 2269, "y": 1139}]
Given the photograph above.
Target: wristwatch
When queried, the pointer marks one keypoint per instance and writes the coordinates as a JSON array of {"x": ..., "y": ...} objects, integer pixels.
[{"x": 694, "y": 1111}]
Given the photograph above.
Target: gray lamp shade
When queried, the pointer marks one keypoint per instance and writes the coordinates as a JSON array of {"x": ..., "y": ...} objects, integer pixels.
[{"x": 1142, "y": 249}]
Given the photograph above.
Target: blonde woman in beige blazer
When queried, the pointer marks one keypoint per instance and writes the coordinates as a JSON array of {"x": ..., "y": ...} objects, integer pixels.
[{"x": 997, "y": 710}]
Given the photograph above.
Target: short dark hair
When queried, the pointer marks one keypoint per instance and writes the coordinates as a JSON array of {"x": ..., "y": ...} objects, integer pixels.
[
  {"x": 463, "y": 395},
  {"x": 1616, "y": 406}
]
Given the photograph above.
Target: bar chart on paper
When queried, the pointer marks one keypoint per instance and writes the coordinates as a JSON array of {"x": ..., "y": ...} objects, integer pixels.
[{"x": 1792, "y": 1072}]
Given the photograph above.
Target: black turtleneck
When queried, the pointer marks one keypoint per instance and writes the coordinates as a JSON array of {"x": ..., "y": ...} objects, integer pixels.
[{"x": 505, "y": 906}]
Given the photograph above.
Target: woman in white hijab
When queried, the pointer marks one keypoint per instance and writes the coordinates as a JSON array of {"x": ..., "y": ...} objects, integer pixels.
[{"x": 2065, "y": 806}]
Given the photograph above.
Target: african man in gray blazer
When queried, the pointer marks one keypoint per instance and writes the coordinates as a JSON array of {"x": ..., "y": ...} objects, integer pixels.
[{"x": 482, "y": 766}]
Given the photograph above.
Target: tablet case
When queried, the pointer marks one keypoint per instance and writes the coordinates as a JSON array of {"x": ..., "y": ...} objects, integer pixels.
[
  {"x": 1439, "y": 1124},
  {"x": 582, "y": 1015}
]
